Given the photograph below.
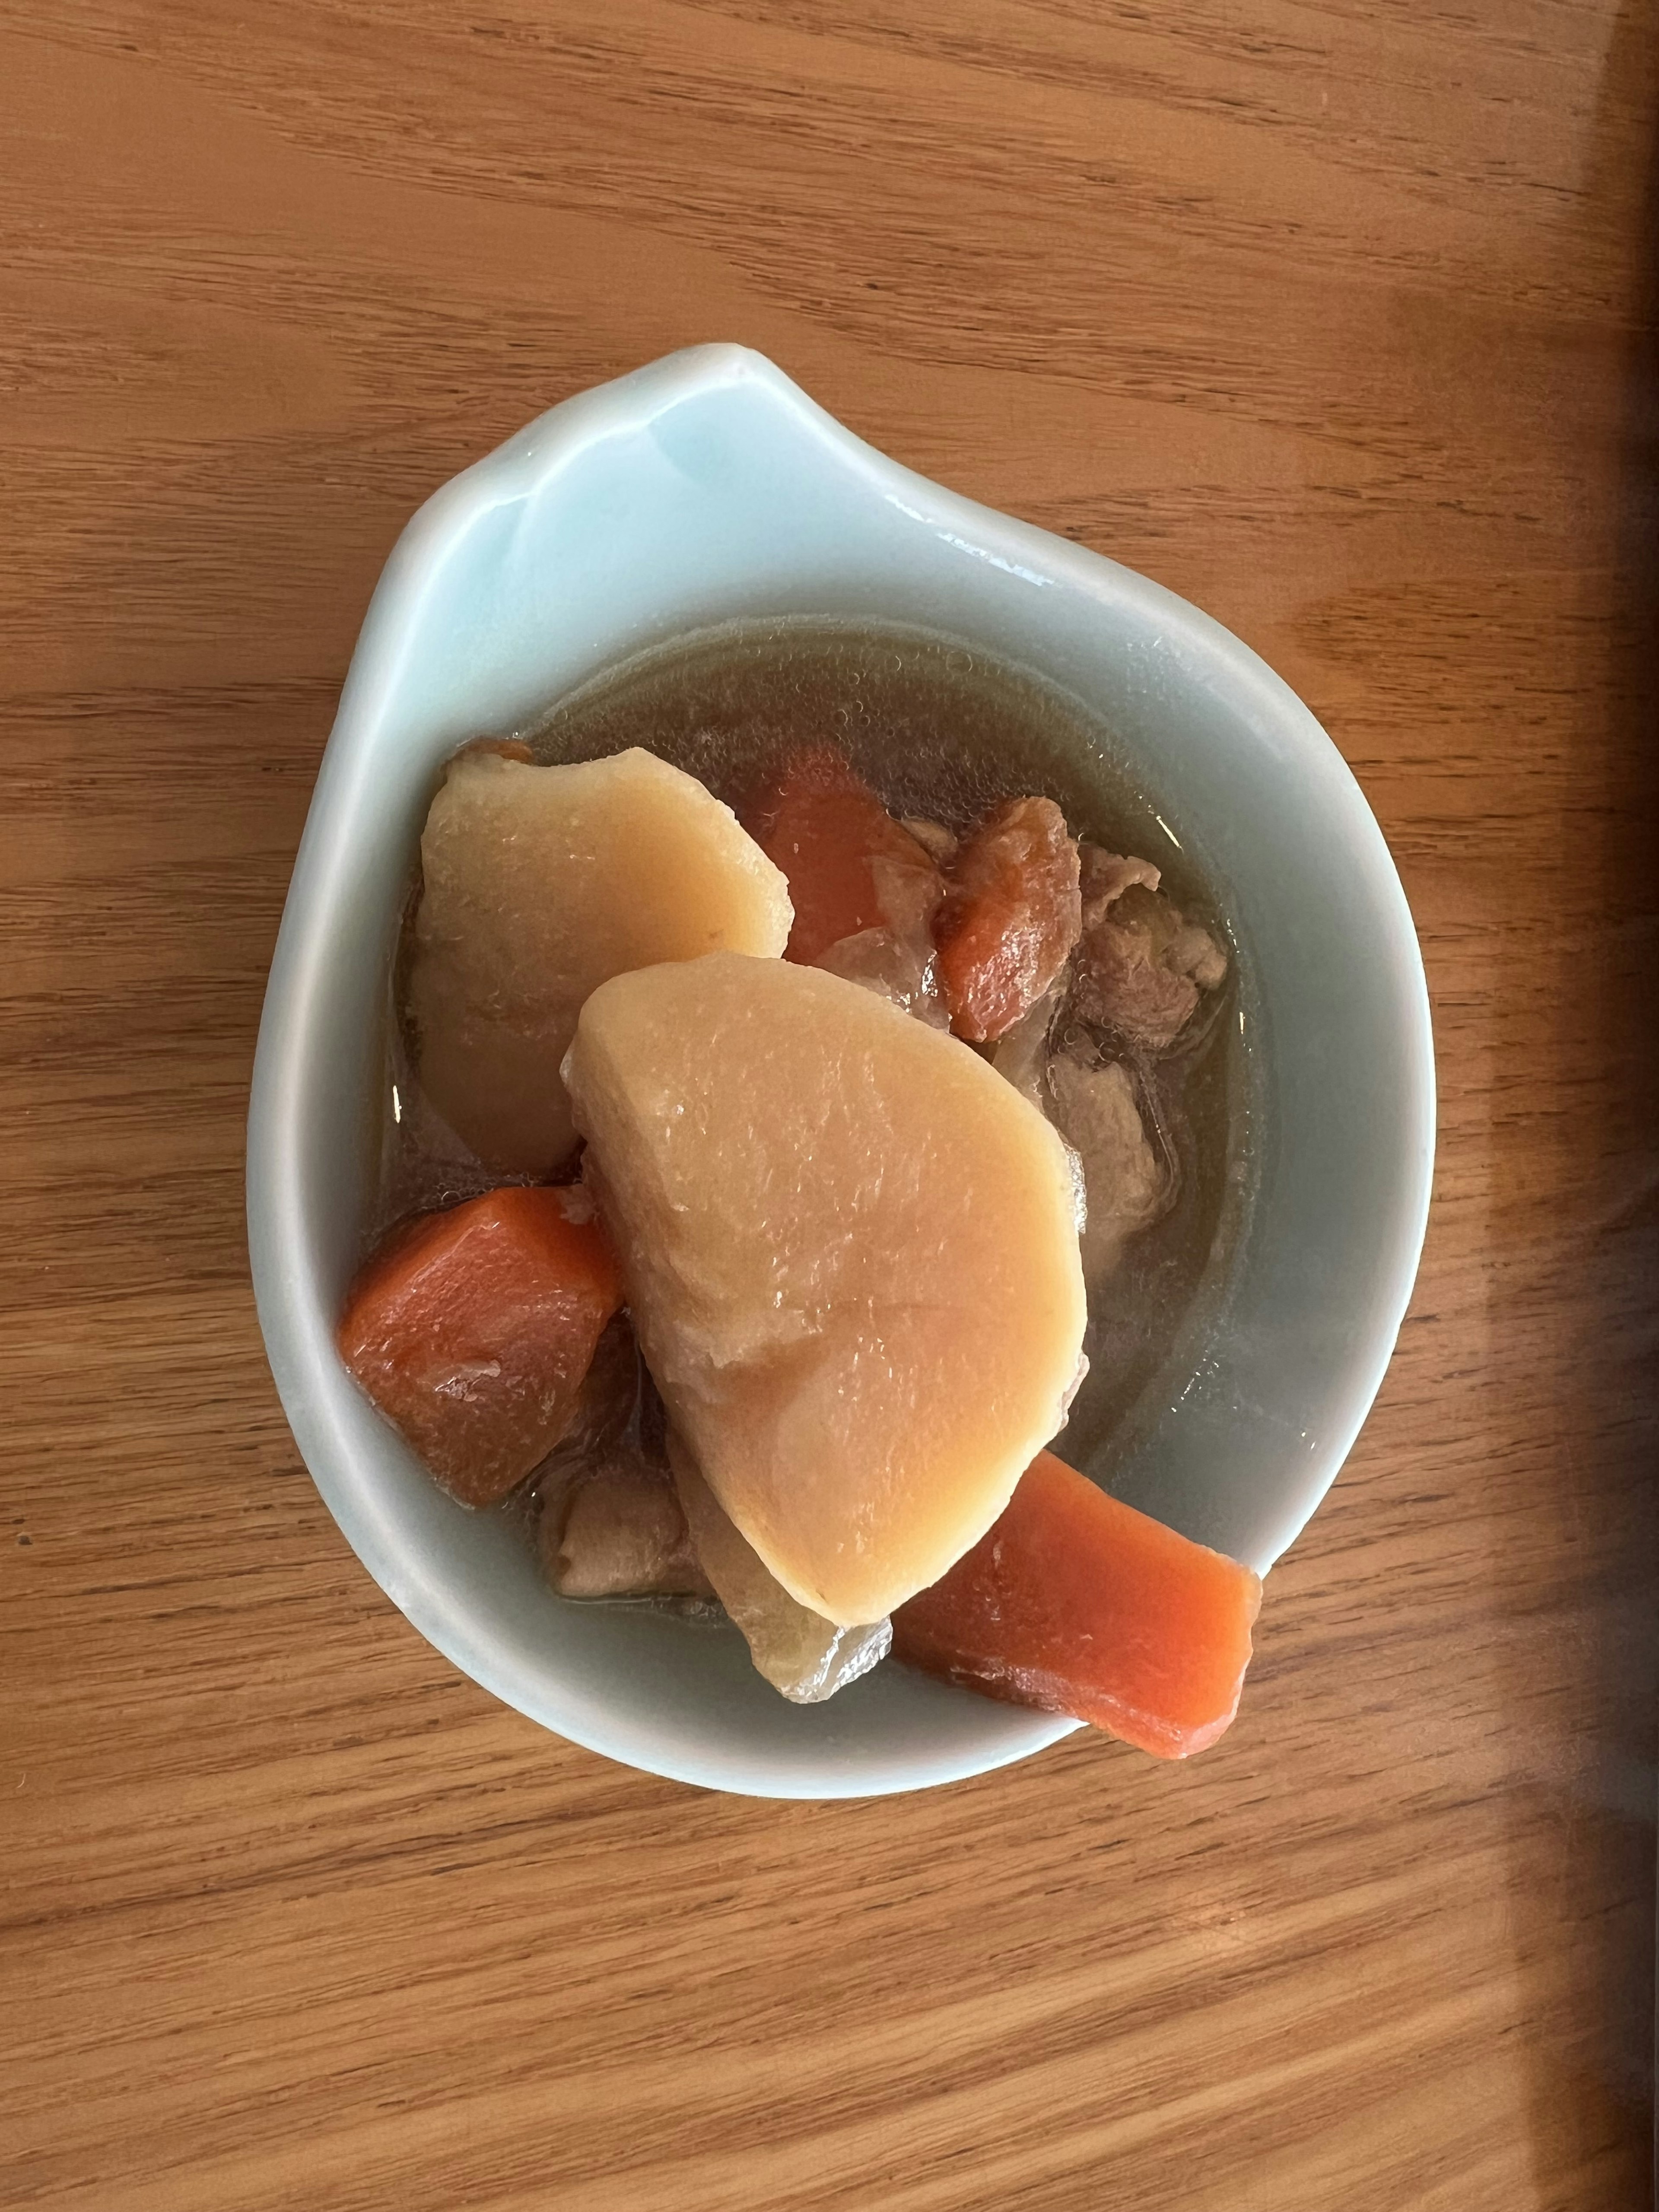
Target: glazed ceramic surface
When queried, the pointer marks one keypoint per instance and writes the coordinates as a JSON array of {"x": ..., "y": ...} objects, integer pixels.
[{"x": 708, "y": 487}]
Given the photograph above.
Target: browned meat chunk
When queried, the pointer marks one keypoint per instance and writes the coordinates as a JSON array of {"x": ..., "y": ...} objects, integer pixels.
[
  {"x": 1104, "y": 875},
  {"x": 932, "y": 837},
  {"x": 1021, "y": 1055},
  {"x": 1127, "y": 1183},
  {"x": 621, "y": 1533},
  {"x": 1142, "y": 966},
  {"x": 1010, "y": 919}
]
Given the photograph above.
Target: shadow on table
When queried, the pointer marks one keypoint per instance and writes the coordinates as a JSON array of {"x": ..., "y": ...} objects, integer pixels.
[{"x": 1591, "y": 2079}]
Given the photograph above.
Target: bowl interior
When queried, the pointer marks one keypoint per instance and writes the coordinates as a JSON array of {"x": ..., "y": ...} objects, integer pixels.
[{"x": 704, "y": 489}]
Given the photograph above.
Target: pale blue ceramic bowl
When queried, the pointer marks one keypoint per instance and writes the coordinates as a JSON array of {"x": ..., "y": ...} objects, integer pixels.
[{"x": 707, "y": 486}]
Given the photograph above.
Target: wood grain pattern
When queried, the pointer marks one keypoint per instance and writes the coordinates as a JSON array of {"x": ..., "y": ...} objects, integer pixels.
[{"x": 1338, "y": 319}]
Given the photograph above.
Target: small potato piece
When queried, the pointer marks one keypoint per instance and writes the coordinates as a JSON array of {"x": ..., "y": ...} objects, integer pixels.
[
  {"x": 1011, "y": 917},
  {"x": 622, "y": 1533},
  {"x": 1075, "y": 1603},
  {"x": 850, "y": 865},
  {"x": 851, "y": 1259},
  {"x": 472, "y": 1331},
  {"x": 805, "y": 1657},
  {"x": 539, "y": 883}
]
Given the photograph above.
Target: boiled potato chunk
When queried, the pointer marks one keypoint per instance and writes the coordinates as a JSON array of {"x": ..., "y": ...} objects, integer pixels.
[
  {"x": 539, "y": 883},
  {"x": 851, "y": 1252}
]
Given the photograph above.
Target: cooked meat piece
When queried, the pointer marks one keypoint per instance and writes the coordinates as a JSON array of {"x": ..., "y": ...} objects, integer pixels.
[
  {"x": 1128, "y": 1184},
  {"x": 1011, "y": 917},
  {"x": 1192, "y": 951},
  {"x": 907, "y": 897},
  {"x": 932, "y": 837},
  {"x": 896, "y": 959},
  {"x": 1104, "y": 875},
  {"x": 1021, "y": 1057},
  {"x": 607, "y": 1404},
  {"x": 1142, "y": 965},
  {"x": 621, "y": 1533}
]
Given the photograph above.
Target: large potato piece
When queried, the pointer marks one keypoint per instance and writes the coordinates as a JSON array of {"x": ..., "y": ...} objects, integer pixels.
[
  {"x": 540, "y": 882},
  {"x": 851, "y": 1252}
]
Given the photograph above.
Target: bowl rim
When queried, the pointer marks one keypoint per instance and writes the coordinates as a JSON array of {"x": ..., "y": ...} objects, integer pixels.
[{"x": 516, "y": 470}]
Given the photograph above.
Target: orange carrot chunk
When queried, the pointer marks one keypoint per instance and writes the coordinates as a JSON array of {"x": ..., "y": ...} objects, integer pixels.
[
  {"x": 1011, "y": 916},
  {"x": 821, "y": 824},
  {"x": 472, "y": 1330},
  {"x": 1075, "y": 1603}
]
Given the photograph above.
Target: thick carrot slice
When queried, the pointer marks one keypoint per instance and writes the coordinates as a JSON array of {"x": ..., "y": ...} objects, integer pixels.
[
  {"x": 1011, "y": 918},
  {"x": 1076, "y": 1604},
  {"x": 472, "y": 1330},
  {"x": 823, "y": 826}
]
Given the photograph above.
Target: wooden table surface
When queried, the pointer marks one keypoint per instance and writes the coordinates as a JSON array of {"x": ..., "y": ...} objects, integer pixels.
[{"x": 1337, "y": 317}]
